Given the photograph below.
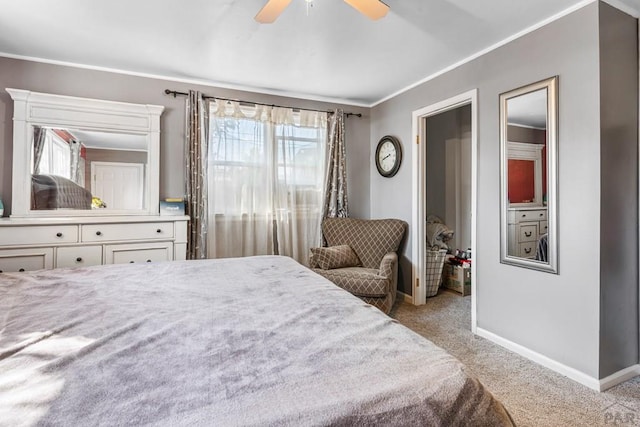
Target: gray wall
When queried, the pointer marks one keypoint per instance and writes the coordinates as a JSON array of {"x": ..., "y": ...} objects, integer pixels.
[
  {"x": 72, "y": 81},
  {"x": 554, "y": 315},
  {"x": 522, "y": 134},
  {"x": 619, "y": 190}
]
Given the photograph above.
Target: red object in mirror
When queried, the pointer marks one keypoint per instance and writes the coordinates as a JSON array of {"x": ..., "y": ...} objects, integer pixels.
[{"x": 521, "y": 181}]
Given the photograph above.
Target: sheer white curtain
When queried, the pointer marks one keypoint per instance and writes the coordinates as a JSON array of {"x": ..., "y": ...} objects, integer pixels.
[{"x": 266, "y": 170}]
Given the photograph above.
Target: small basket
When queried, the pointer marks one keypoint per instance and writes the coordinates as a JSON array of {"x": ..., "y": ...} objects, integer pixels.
[{"x": 435, "y": 262}]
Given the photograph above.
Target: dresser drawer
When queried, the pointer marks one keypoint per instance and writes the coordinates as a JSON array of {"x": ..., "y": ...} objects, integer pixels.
[
  {"x": 531, "y": 215},
  {"x": 528, "y": 232},
  {"x": 527, "y": 249},
  {"x": 129, "y": 231},
  {"x": 78, "y": 256},
  {"x": 25, "y": 259},
  {"x": 142, "y": 252},
  {"x": 38, "y": 235},
  {"x": 544, "y": 227}
]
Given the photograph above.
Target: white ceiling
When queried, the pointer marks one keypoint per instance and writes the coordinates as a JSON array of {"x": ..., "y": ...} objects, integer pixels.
[
  {"x": 110, "y": 140},
  {"x": 334, "y": 54},
  {"x": 528, "y": 110}
]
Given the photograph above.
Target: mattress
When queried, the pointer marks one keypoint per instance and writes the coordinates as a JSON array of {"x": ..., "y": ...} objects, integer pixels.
[{"x": 250, "y": 341}]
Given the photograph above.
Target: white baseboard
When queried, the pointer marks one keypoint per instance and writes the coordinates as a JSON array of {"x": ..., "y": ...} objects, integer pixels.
[
  {"x": 574, "y": 374},
  {"x": 405, "y": 297},
  {"x": 619, "y": 377}
]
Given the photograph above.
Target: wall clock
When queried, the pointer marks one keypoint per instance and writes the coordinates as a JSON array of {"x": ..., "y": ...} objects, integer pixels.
[{"x": 388, "y": 156}]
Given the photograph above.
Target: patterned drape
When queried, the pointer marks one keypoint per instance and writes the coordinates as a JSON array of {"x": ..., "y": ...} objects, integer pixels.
[
  {"x": 336, "y": 201},
  {"x": 196, "y": 149},
  {"x": 39, "y": 135},
  {"x": 77, "y": 173}
]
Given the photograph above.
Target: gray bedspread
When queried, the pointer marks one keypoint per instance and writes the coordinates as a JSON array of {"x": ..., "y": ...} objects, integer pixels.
[{"x": 252, "y": 341}]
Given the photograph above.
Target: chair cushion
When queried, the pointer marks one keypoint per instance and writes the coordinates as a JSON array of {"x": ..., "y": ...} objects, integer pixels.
[
  {"x": 359, "y": 281},
  {"x": 335, "y": 257}
]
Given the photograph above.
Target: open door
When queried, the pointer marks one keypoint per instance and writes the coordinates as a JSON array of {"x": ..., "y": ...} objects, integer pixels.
[
  {"x": 109, "y": 180},
  {"x": 419, "y": 158}
]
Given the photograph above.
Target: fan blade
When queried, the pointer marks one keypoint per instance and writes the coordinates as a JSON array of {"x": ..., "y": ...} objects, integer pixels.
[
  {"x": 372, "y": 9},
  {"x": 271, "y": 11}
]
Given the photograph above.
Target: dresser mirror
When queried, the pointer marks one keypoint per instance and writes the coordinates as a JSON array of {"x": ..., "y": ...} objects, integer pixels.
[
  {"x": 83, "y": 157},
  {"x": 528, "y": 176},
  {"x": 85, "y": 170}
]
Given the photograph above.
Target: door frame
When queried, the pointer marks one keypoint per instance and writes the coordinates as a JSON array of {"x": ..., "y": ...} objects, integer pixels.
[{"x": 419, "y": 118}]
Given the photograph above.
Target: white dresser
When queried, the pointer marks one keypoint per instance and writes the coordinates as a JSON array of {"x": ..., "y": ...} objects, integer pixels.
[
  {"x": 122, "y": 224},
  {"x": 43, "y": 243},
  {"x": 526, "y": 225}
]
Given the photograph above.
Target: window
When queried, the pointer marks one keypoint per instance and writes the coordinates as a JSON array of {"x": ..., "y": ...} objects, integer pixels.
[
  {"x": 266, "y": 181},
  {"x": 56, "y": 157}
]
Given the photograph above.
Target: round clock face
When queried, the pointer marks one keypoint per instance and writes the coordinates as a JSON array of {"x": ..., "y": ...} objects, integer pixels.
[{"x": 388, "y": 156}]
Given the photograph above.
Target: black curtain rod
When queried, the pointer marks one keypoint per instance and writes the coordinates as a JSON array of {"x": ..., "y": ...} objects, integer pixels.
[{"x": 175, "y": 93}]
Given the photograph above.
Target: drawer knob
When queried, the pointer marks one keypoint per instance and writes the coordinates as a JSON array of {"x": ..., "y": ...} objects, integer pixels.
[
  {"x": 79, "y": 259},
  {"x": 21, "y": 270},
  {"x": 541, "y": 214},
  {"x": 131, "y": 262},
  {"x": 148, "y": 260},
  {"x": 58, "y": 234},
  {"x": 528, "y": 234},
  {"x": 159, "y": 230},
  {"x": 98, "y": 233},
  {"x": 1, "y": 271},
  {"x": 527, "y": 250}
]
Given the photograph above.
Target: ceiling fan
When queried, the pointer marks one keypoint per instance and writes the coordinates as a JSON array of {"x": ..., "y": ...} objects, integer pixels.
[{"x": 372, "y": 9}]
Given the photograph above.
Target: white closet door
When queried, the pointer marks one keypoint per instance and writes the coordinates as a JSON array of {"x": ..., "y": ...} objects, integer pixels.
[
  {"x": 452, "y": 184},
  {"x": 465, "y": 191},
  {"x": 110, "y": 179},
  {"x": 458, "y": 190}
]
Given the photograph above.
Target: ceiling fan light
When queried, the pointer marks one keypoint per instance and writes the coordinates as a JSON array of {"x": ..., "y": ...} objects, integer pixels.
[
  {"x": 271, "y": 11},
  {"x": 372, "y": 9}
]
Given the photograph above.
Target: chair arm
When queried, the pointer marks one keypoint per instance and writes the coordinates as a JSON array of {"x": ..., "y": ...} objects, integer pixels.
[
  {"x": 388, "y": 265},
  {"x": 312, "y": 261}
]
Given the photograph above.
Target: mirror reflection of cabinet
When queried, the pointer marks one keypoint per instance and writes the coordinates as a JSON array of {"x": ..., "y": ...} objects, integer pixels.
[
  {"x": 526, "y": 225},
  {"x": 528, "y": 139}
]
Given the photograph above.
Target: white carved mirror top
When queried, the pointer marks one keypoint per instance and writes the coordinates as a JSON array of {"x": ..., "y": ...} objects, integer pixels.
[{"x": 82, "y": 157}]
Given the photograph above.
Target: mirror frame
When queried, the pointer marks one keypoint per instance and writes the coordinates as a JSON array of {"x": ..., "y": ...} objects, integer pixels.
[
  {"x": 551, "y": 266},
  {"x": 47, "y": 110}
]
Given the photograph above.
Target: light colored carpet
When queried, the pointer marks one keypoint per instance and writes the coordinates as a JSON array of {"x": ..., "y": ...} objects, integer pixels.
[{"x": 534, "y": 395}]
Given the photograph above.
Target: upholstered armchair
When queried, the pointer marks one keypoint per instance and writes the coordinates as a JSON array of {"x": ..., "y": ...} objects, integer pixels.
[{"x": 361, "y": 257}]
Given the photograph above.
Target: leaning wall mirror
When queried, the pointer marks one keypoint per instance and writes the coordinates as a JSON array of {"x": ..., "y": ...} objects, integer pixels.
[{"x": 528, "y": 176}]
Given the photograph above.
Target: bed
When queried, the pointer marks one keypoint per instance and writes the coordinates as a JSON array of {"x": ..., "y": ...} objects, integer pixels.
[
  {"x": 57, "y": 192},
  {"x": 251, "y": 341}
]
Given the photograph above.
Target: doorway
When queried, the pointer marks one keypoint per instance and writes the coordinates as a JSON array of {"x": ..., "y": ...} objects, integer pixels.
[
  {"x": 108, "y": 179},
  {"x": 444, "y": 181}
]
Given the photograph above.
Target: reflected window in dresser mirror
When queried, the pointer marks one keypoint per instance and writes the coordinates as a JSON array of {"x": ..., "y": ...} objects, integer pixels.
[{"x": 528, "y": 145}]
